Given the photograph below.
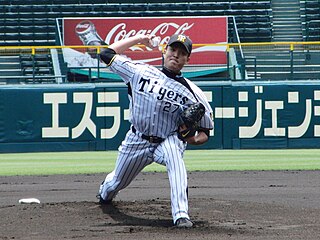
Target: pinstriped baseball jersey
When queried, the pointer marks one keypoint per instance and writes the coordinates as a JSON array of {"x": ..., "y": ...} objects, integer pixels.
[{"x": 157, "y": 100}]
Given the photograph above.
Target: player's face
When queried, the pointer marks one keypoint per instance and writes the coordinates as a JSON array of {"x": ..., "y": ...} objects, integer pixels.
[{"x": 175, "y": 57}]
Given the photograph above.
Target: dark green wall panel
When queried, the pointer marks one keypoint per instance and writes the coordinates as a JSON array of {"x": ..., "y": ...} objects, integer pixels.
[{"x": 88, "y": 117}]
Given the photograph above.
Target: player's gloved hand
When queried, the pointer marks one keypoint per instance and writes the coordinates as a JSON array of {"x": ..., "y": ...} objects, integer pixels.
[{"x": 190, "y": 117}]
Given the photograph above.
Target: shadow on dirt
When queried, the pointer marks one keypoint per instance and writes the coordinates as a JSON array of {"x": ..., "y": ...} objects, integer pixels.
[{"x": 116, "y": 212}]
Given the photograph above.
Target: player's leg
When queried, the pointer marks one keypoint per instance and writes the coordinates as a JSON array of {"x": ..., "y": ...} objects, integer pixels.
[
  {"x": 133, "y": 156},
  {"x": 170, "y": 153}
]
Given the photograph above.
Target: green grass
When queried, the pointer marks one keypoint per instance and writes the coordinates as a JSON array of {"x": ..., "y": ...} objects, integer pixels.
[{"x": 196, "y": 160}]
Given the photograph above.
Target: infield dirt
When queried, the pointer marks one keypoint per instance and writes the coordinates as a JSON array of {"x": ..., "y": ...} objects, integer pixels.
[{"x": 223, "y": 205}]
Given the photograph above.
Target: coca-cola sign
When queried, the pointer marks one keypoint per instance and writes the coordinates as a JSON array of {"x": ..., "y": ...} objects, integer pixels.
[
  {"x": 121, "y": 31},
  {"x": 202, "y": 30}
]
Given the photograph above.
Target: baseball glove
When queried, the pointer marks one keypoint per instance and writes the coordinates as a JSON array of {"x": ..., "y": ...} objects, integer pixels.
[{"x": 191, "y": 117}]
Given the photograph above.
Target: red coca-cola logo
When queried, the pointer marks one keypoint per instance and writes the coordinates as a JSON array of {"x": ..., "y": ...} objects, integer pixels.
[
  {"x": 163, "y": 30},
  {"x": 83, "y": 26}
]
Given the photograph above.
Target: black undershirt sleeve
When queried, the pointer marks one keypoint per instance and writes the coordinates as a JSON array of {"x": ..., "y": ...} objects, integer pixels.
[{"x": 107, "y": 55}]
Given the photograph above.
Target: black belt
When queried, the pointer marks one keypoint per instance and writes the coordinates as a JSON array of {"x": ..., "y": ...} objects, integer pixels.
[{"x": 151, "y": 139}]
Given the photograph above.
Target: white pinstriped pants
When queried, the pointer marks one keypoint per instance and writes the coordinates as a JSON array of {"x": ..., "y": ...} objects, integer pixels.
[{"x": 136, "y": 153}]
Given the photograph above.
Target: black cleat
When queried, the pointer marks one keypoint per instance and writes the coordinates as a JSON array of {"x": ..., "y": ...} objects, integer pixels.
[
  {"x": 102, "y": 201},
  {"x": 183, "y": 223}
]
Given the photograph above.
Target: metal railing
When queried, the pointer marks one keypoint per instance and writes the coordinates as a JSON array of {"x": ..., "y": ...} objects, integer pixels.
[{"x": 260, "y": 61}]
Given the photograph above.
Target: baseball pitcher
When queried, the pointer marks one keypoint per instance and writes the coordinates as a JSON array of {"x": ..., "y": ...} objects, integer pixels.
[{"x": 167, "y": 112}]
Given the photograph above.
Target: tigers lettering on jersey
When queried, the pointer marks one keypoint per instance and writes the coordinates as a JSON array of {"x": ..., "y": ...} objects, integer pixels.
[{"x": 163, "y": 93}]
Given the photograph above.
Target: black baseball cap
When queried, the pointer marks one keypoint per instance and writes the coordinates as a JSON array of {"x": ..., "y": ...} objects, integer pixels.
[{"x": 183, "y": 39}]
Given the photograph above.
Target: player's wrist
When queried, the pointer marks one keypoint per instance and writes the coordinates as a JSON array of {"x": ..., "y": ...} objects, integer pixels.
[
  {"x": 199, "y": 138},
  {"x": 140, "y": 38}
]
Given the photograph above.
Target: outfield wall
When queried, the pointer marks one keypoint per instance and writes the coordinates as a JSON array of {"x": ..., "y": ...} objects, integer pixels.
[{"x": 94, "y": 116}]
